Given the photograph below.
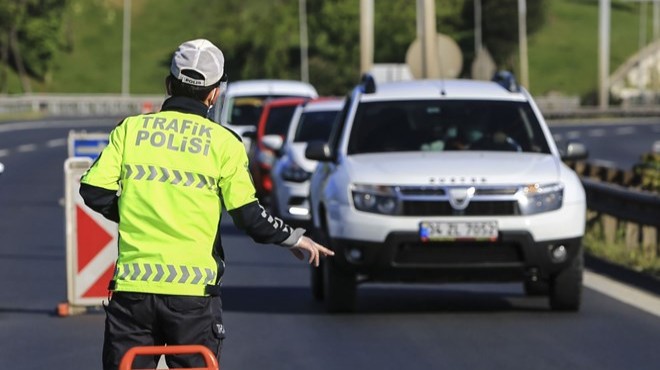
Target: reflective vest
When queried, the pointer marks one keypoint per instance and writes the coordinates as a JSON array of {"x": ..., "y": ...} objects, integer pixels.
[{"x": 173, "y": 172}]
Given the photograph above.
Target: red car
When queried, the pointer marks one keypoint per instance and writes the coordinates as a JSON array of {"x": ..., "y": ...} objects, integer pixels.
[{"x": 275, "y": 119}]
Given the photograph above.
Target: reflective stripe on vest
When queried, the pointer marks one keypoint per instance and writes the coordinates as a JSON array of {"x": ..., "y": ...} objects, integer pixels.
[
  {"x": 170, "y": 176},
  {"x": 156, "y": 272}
]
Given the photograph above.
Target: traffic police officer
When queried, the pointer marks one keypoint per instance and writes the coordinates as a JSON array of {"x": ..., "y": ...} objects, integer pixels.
[{"x": 164, "y": 178}]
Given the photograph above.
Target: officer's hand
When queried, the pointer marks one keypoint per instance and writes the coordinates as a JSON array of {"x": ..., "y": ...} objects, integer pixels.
[{"x": 315, "y": 250}]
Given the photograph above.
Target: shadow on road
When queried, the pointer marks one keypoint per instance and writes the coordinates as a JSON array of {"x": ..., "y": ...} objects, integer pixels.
[{"x": 379, "y": 300}]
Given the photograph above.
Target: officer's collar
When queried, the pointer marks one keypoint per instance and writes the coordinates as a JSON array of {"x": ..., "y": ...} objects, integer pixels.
[{"x": 185, "y": 105}]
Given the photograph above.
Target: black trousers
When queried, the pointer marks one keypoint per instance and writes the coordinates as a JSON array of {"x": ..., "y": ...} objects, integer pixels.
[{"x": 139, "y": 319}]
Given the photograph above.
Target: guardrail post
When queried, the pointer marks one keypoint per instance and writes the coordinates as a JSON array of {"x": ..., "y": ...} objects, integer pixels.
[
  {"x": 650, "y": 242},
  {"x": 632, "y": 236},
  {"x": 609, "y": 228}
]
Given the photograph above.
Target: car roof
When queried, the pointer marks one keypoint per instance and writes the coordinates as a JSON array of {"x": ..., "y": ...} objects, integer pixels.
[
  {"x": 442, "y": 89},
  {"x": 271, "y": 87},
  {"x": 284, "y": 102},
  {"x": 324, "y": 104}
]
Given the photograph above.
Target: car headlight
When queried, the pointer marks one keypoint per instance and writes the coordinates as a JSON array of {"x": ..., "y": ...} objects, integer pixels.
[
  {"x": 291, "y": 171},
  {"x": 375, "y": 199},
  {"x": 538, "y": 198}
]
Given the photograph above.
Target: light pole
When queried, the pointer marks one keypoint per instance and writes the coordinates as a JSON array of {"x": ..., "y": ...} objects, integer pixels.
[
  {"x": 366, "y": 35},
  {"x": 604, "y": 53},
  {"x": 304, "y": 57},
  {"x": 522, "y": 40},
  {"x": 126, "y": 50}
]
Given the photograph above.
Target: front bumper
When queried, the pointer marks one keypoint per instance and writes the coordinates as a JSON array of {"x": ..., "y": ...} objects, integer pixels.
[{"x": 515, "y": 256}]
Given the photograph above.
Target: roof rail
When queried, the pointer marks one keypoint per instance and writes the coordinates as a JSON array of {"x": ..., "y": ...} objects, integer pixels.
[
  {"x": 367, "y": 84},
  {"x": 507, "y": 80}
]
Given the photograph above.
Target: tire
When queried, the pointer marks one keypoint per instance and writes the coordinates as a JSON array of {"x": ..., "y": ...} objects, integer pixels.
[
  {"x": 566, "y": 287},
  {"x": 340, "y": 288},
  {"x": 316, "y": 281},
  {"x": 536, "y": 288}
]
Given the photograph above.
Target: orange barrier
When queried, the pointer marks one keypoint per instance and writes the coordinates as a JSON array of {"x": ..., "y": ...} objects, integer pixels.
[{"x": 209, "y": 357}]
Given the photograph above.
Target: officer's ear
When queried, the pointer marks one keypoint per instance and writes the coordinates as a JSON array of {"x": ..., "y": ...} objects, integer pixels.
[{"x": 168, "y": 85}]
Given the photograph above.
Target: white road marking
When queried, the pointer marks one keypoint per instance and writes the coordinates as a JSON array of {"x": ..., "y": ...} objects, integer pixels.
[
  {"x": 626, "y": 130},
  {"x": 56, "y": 142},
  {"x": 597, "y": 132},
  {"x": 26, "y": 148},
  {"x": 573, "y": 134},
  {"x": 557, "y": 137},
  {"x": 603, "y": 163},
  {"x": 627, "y": 294},
  {"x": 4, "y": 152}
]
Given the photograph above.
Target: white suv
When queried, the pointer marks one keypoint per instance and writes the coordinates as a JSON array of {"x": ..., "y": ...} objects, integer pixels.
[{"x": 447, "y": 180}]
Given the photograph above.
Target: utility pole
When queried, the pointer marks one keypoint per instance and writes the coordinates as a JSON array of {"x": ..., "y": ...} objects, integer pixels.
[
  {"x": 604, "y": 53},
  {"x": 126, "y": 50},
  {"x": 428, "y": 37},
  {"x": 477, "y": 27},
  {"x": 304, "y": 59},
  {"x": 366, "y": 35},
  {"x": 522, "y": 41},
  {"x": 656, "y": 19}
]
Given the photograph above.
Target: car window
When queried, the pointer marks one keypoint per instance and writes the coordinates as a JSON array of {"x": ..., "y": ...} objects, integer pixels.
[
  {"x": 315, "y": 126},
  {"x": 278, "y": 120},
  {"x": 446, "y": 126},
  {"x": 246, "y": 110}
]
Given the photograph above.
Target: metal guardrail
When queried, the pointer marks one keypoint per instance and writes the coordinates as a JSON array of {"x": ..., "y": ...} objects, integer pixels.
[
  {"x": 553, "y": 107},
  {"x": 640, "y": 207},
  {"x": 79, "y": 104}
]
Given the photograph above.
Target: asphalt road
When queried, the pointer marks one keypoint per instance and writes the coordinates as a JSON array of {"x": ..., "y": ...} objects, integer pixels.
[
  {"x": 613, "y": 143},
  {"x": 272, "y": 321}
]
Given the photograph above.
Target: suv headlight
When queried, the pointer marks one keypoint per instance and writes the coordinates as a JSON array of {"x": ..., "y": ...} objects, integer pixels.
[
  {"x": 291, "y": 171},
  {"x": 375, "y": 199},
  {"x": 538, "y": 198}
]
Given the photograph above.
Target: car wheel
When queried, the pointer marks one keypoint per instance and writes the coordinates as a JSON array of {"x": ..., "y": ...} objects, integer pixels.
[
  {"x": 536, "y": 288},
  {"x": 340, "y": 288},
  {"x": 566, "y": 287},
  {"x": 316, "y": 280}
]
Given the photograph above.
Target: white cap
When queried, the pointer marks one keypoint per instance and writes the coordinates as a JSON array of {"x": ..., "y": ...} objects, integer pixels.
[{"x": 202, "y": 57}]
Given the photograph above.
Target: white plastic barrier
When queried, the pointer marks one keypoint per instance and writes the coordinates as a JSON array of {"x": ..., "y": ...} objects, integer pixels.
[{"x": 91, "y": 245}]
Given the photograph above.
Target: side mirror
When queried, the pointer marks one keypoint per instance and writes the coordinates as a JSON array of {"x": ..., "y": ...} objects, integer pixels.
[
  {"x": 250, "y": 134},
  {"x": 574, "y": 151},
  {"x": 318, "y": 151},
  {"x": 272, "y": 142}
]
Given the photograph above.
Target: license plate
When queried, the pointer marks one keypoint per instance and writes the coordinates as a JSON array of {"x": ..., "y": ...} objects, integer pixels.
[{"x": 448, "y": 231}]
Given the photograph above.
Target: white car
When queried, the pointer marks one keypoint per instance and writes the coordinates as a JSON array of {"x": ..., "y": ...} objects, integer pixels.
[
  {"x": 239, "y": 108},
  {"x": 311, "y": 121},
  {"x": 447, "y": 180}
]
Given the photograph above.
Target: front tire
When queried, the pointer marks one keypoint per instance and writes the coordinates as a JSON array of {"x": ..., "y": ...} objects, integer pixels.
[
  {"x": 340, "y": 288},
  {"x": 566, "y": 287}
]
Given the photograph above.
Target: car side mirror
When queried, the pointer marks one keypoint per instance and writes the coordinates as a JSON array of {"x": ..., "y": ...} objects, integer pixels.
[
  {"x": 250, "y": 134},
  {"x": 273, "y": 142},
  {"x": 318, "y": 151},
  {"x": 574, "y": 151}
]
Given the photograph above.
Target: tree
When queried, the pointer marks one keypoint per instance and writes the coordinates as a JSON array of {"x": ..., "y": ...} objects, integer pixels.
[{"x": 29, "y": 38}]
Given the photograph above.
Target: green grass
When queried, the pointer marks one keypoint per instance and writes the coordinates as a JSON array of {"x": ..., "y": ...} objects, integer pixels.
[
  {"x": 617, "y": 252},
  {"x": 563, "y": 55}
]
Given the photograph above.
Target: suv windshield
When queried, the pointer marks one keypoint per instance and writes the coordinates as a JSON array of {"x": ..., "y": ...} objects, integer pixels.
[
  {"x": 315, "y": 126},
  {"x": 394, "y": 126}
]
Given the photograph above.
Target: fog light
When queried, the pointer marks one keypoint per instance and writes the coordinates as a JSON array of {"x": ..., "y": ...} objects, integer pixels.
[
  {"x": 355, "y": 254},
  {"x": 558, "y": 253}
]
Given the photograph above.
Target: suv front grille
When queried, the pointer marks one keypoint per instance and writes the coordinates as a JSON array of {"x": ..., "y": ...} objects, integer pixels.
[
  {"x": 475, "y": 208},
  {"x": 484, "y": 200}
]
